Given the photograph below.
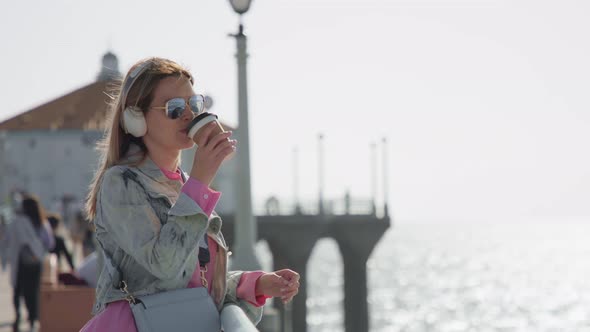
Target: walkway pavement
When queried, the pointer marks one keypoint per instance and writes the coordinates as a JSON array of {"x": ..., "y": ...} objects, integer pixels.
[{"x": 6, "y": 309}]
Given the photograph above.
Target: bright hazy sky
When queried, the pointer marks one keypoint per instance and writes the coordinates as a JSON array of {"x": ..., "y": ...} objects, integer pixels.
[{"x": 484, "y": 103}]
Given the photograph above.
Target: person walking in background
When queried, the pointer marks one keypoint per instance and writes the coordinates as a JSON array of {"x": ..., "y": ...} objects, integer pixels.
[
  {"x": 3, "y": 258},
  {"x": 27, "y": 239},
  {"x": 82, "y": 233},
  {"x": 78, "y": 227},
  {"x": 88, "y": 240},
  {"x": 60, "y": 243}
]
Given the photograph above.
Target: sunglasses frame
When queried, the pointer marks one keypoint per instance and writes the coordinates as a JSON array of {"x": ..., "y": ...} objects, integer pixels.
[{"x": 186, "y": 103}]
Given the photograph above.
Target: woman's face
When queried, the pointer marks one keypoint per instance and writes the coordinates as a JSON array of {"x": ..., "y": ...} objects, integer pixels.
[{"x": 163, "y": 132}]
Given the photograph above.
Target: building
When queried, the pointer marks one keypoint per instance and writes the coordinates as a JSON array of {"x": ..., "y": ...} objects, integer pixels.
[{"x": 50, "y": 149}]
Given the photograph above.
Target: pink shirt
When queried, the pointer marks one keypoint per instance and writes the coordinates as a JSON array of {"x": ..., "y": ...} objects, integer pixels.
[{"x": 117, "y": 316}]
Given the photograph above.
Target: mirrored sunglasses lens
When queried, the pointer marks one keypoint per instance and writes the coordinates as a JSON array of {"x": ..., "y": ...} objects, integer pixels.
[
  {"x": 197, "y": 103},
  {"x": 175, "y": 107}
]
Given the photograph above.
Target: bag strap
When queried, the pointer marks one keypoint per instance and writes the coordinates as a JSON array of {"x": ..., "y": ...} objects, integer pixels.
[
  {"x": 117, "y": 276},
  {"x": 204, "y": 254}
]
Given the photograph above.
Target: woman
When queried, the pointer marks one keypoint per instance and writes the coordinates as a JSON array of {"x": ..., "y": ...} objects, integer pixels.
[
  {"x": 28, "y": 238},
  {"x": 151, "y": 219}
]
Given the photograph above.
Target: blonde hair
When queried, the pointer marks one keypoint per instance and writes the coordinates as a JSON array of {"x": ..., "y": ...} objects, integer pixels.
[{"x": 115, "y": 144}]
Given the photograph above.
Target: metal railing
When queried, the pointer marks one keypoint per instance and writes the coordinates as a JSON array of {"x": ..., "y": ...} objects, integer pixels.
[
  {"x": 233, "y": 319},
  {"x": 338, "y": 206}
]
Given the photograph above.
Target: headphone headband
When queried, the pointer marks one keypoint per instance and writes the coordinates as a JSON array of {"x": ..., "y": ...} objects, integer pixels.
[
  {"x": 132, "y": 120},
  {"x": 131, "y": 78}
]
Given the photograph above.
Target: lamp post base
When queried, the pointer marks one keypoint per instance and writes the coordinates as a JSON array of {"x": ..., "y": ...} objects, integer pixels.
[{"x": 244, "y": 259}]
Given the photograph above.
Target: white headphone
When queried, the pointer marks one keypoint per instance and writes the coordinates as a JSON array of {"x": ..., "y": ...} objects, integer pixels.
[{"x": 133, "y": 120}]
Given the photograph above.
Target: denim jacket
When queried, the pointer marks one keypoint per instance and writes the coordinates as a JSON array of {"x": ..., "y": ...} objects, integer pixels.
[{"x": 151, "y": 232}]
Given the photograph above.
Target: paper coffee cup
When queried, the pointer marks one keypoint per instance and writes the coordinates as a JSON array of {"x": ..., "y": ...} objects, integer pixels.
[
  {"x": 201, "y": 121},
  {"x": 194, "y": 128}
]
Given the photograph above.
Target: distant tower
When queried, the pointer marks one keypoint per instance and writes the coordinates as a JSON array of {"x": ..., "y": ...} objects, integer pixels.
[{"x": 110, "y": 68}]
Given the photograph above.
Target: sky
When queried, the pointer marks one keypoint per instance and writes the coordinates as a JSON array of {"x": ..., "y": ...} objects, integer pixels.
[{"x": 484, "y": 103}]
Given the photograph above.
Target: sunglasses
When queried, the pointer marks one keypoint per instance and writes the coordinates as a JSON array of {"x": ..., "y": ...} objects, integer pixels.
[{"x": 176, "y": 106}]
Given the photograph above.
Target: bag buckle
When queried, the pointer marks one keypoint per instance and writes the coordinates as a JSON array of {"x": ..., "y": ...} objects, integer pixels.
[
  {"x": 128, "y": 297},
  {"x": 203, "y": 279}
]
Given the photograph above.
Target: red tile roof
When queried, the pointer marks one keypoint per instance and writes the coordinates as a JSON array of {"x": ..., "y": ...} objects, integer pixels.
[{"x": 85, "y": 108}]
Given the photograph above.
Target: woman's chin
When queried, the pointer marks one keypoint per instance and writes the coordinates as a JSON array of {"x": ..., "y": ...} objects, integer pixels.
[
  {"x": 186, "y": 143},
  {"x": 187, "y": 146}
]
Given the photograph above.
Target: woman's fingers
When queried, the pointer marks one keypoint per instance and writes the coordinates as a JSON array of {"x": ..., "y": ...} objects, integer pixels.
[
  {"x": 290, "y": 275},
  {"x": 287, "y": 273},
  {"x": 292, "y": 287},
  {"x": 295, "y": 278},
  {"x": 204, "y": 138},
  {"x": 224, "y": 149},
  {"x": 271, "y": 284},
  {"x": 283, "y": 284},
  {"x": 218, "y": 139},
  {"x": 288, "y": 296}
]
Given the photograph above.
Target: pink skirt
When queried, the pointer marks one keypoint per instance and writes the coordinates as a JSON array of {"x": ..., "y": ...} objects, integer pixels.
[{"x": 117, "y": 317}]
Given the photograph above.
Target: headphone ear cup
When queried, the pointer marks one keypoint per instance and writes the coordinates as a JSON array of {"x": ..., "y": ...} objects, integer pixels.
[{"x": 133, "y": 121}]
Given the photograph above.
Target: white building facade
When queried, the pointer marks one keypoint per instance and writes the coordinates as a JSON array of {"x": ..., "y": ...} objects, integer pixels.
[{"x": 50, "y": 151}]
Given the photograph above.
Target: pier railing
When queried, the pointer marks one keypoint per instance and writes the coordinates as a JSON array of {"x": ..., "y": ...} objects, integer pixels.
[{"x": 337, "y": 206}]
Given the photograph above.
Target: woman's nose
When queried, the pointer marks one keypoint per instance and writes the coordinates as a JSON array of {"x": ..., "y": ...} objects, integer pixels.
[{"x": 188, "y": 113}]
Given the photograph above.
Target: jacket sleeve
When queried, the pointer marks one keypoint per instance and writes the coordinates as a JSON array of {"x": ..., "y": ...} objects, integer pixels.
[
  {"x": 253, "y": 312},
  {"x": 126, "y": 215}
]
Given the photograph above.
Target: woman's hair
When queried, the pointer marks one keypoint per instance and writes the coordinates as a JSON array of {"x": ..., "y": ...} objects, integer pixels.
[
  {"x": 33, "y": 210},
  {"x": 115, "y": 144},
  {"x": 54, "y": 220}
]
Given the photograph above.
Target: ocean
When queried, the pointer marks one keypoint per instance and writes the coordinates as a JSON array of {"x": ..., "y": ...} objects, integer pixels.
[{"x": 463, "y": 277}]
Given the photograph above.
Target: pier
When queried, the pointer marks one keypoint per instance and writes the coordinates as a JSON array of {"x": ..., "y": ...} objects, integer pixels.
[{"x": 291, "y": 239}]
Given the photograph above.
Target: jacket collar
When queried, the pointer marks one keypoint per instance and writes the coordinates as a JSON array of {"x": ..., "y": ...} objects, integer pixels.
[{"x": 149, "y": 168}]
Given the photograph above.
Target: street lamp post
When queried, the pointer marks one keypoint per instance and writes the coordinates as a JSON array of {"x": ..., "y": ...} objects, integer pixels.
[
  {"x": 385, "y": 181},
  {"x": 321, "y": 206},
  {"x": 373, "y": 178},
  {"x": 296, "y": 180},
  {"x": 245, "y": 232}
]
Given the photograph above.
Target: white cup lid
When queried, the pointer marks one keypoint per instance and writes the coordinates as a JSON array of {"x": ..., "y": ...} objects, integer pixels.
[{"x": 195, "y": 128}]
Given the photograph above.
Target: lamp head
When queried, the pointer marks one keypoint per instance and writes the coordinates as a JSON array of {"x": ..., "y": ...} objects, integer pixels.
[{"x": 240, "y": 6}]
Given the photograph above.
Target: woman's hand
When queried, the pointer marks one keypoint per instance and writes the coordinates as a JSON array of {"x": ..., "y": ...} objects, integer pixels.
[
  {"x": 282, "y": 283},
  {"x": 210, "y": 154}
]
